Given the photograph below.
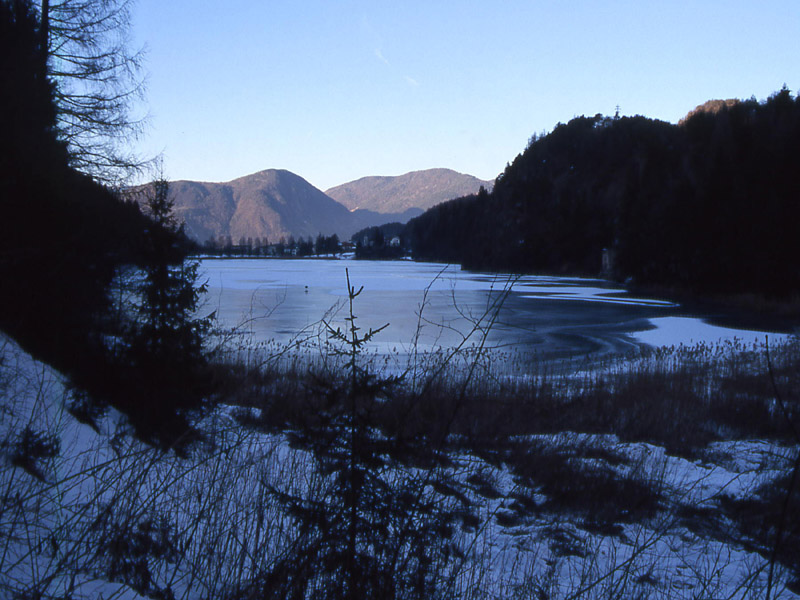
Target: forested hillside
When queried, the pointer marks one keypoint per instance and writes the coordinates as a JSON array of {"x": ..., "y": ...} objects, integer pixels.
[{"x": 710, "y": 205}]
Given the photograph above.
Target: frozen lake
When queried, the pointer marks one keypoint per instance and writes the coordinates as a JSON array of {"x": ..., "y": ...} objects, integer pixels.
[{"x": 428, "y": 306}]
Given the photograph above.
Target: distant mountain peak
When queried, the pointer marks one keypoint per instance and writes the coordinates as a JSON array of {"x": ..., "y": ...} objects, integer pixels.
[
  {"x": 416, "y": 189},
  {"x": 271, "y": 203},
  {"x": 268, "y": 175}
]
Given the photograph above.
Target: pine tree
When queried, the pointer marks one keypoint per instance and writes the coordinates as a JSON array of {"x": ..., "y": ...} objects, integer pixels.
[
  {"x": 375, "y": 527},
  {"x": 166, "y": 349}
]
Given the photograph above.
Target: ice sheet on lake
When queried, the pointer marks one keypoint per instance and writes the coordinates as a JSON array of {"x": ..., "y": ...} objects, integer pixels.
[
  {"x": 283, "y": 300},
  {"x": 586, "y": 293},
  {"x": 330, "y": 275},
  {"x": 689, "y": 331}
]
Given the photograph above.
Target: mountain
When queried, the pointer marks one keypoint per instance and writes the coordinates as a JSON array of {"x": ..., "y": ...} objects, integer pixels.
[
  {"x": 272, "y": 203},
  {"x": 418, "y": 189},
  {"x": 276, "y": 203}
]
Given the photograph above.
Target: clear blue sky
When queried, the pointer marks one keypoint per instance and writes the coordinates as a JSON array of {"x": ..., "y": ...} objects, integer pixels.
[{"x": 337, "y": 90}]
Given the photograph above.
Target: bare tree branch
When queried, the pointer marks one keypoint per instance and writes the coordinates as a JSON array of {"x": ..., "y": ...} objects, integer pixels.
[{"x": 98, "y": 81}]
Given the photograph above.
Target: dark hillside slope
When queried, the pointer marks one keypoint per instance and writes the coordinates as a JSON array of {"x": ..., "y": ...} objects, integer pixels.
[
  {"x": 710, "y": 205},
  {"x": 554, "y": 207},
  {"x": 63, "y": 237}
]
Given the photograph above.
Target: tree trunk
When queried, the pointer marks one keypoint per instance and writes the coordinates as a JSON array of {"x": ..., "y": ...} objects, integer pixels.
[{"x": 44, "y": 27}]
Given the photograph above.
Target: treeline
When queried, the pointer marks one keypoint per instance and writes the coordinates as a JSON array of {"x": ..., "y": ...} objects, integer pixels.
[
  {"x": 321, "y": 246},
  {"x": 382, "y": 242},
  {"x": 710, "y": 205},
  {"x": 66, "y": 244}
]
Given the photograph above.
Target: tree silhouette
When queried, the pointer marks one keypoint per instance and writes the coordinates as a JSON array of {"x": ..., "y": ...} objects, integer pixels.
[
  {"x": 166, "y": 350},
  {"x": 98, "y": 80},
  {"x": 706, "y": 206},
  {"x": 376, "y": 527},
  {"x": 63, "y": 240}
]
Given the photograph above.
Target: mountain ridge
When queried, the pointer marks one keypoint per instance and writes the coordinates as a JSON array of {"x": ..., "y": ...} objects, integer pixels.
[
  {"x": 277, "y": 203},
  {"x": 271, "y": 203},
  {"x": 416, "y": 189}
]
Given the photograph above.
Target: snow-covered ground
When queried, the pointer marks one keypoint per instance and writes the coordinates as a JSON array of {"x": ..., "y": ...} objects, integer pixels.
[
  {"x": 106, "y": 509},
  {"x": 109, "y": 517}
]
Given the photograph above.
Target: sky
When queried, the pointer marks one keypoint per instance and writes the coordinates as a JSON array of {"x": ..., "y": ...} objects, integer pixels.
[{"x": 336, "y": 90}]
